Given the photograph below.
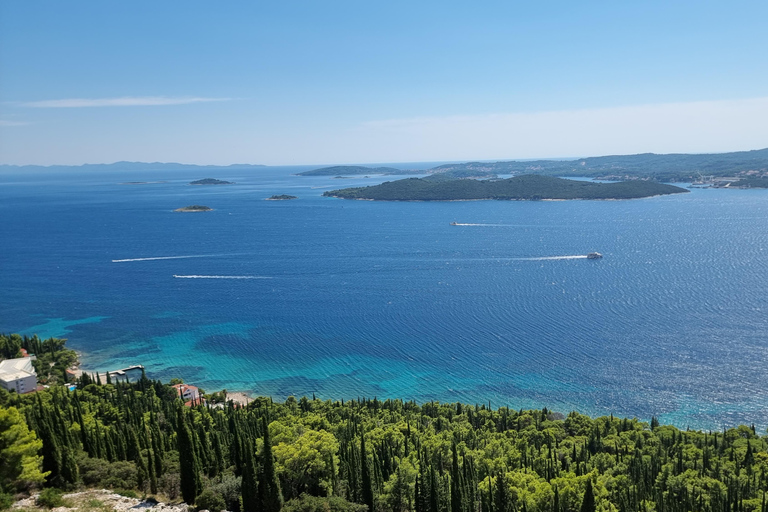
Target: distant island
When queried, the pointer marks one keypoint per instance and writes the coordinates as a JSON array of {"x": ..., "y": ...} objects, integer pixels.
[
  {"x": 211, "y": 181},
  {"x": 750, "y": 183},
  {"x": 281, "y": 197},
  {"x": 526, "y": 187},
  {"x": 685, "y": 168},
  {"x": 355, "y": 170},
  {"x": 194, "y": 208}
]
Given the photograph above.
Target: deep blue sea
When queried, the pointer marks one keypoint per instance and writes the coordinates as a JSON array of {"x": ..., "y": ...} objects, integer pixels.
[{"x": 358, "y": 298}]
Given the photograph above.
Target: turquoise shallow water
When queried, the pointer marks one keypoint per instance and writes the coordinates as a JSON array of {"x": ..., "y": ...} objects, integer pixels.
[{"x": 347, "y": 299}]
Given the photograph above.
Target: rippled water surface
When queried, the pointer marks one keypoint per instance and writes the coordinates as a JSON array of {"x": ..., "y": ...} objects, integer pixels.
[{"x": 359, "y": 298}]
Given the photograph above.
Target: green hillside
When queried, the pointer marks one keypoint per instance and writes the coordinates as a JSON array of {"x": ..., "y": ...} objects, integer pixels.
[{"x": 527, "y": 187}]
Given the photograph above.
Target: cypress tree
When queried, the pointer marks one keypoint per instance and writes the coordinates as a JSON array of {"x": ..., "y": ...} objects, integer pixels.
[
  {"x": 588, "y": 505},
  {"x": 70, "y": 473},
  {"x": 502, "y": 494},
  {"x": 434, "y": 497},
  {"x": 457, "y": 497},
  {"x": 269, "y": 486},
  {"x": 366, "y": 475},
  {"x": 189, "y": 471},
  {"x": 249, "y": 487}
]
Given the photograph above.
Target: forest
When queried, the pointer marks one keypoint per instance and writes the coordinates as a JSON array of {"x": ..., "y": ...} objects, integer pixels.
[
  {"x": 525, "y": 187},
  {"x": 368, "y": 454}
]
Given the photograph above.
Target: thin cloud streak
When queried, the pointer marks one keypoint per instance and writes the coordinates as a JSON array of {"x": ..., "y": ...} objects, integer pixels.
[
  {"x": 3, "y": 122},
  {"x": 705, "y": 126},
  {"x": 126, "y": 101}
]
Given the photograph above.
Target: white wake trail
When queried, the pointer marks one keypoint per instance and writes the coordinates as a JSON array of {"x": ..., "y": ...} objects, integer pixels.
[
  {"x": 547, "y": 258},
  {"x": 468, "y": 224},
  {"x": 170, "y": 257},
  {"x": 221, "y": 277}
]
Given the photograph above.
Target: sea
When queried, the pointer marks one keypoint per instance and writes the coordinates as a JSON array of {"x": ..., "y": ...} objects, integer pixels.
[{"x": 348, "y": 299}]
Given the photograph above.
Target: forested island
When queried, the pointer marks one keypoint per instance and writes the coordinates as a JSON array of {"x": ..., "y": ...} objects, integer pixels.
[
  {"x": 662, "y": 168},
  {"x": 310, "y": 455},
  {"x": 211, "y": 181},
  {"x": 194, "y": 208},
  {"x": 526, "y": 187},
  {"x": 352, "y": 170},
  {"x": 281, "y": 197}
]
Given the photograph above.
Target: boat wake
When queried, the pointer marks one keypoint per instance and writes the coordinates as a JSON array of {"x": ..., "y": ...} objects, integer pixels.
[
  {"x": 221, "y": 277},
  {"x": 470, "y": 224},
  {"x": 170, "y": 257},
  {"x": 553, "y": 258}
]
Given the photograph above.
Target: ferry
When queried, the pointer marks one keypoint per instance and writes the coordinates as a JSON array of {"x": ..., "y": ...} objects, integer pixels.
[{"x": 594, "y": 256}]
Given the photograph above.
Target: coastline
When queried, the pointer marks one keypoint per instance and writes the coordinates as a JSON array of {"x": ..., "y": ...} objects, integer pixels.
[
  {"x": 239, "y": 397},
  {"x": 500, "y": 199},
  {"x": 242, "y": 398}
]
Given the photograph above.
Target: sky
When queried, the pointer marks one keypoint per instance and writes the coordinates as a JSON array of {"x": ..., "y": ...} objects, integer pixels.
[{"x": 338, "y": 82}]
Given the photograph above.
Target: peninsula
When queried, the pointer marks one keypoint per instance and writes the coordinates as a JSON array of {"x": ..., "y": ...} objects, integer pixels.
[
  {"x": 281, "y": 197},
  {"x": 349, "y": 170},
  {"x": 526, "y": 187},
  {"x": 211, "y": 181},
  {"x": 194, "y": 208}
]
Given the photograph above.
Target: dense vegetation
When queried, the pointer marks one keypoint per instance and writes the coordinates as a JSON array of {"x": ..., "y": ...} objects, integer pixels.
[
  {"x": 351, "y": 170},
  {"x": 664, "y": 168},
  {"x": 210, "y": 181},
  {"x": 751, "y": 183},
  {"x": 311, "y": 455},
  {"x": 281, "y": 197},
  {"x": 529, "y": 187}
]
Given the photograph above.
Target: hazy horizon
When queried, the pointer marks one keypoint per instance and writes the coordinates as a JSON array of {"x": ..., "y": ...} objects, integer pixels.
[{"x": 287, "y": 84}]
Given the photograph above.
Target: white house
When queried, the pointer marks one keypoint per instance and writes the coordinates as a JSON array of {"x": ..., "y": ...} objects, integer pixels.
[
  {"x": 187, "y": 392},
  {"x": 18, "y": 375}
]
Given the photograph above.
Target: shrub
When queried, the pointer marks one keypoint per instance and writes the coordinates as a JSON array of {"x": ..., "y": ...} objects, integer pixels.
[
  {"x": 307, "y": 503},
  {"x": 128, "y": 493},
  {"x": 6, "y": 500},
  {"x": 51, "y": 498},
  {"x": 170, "y": 484},
  {"x": 229, "y": 488},
  {"x": 210, "y": 500}
]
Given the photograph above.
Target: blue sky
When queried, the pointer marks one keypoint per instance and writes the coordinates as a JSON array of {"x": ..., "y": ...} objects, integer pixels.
[{"x": 360, "y": 81}]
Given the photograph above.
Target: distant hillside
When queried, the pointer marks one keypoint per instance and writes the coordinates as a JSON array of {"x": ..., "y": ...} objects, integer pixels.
[
  {"x": 352, "y": 170},
  {"x": 671, "y": 167},
  {"x": 126, "y": 166},
  {"x": 527, "y": 187}
]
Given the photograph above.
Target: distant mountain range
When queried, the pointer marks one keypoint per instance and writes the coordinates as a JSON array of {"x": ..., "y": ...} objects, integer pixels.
[
  {"x": 665, "y": 168},
  {"x": 128, "y": 166}
]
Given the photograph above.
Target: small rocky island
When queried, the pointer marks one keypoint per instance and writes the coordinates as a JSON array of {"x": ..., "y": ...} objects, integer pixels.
[
  {"x": 194, "y": 208},
  {"x": 529, "y": 187},
  {"x": 211, "y": 181},
  {"x": 281, "y": 197}
]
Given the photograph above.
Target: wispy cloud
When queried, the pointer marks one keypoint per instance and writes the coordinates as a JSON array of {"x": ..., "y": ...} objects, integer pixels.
[
  {"x": 125, "y": 101},
  {"x": 705, "y": 126},
  {"x": 4, "y": 122}
]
